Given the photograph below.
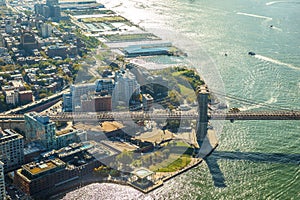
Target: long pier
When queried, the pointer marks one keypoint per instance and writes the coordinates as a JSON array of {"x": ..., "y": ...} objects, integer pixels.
[{"x": 191, "y": 115}]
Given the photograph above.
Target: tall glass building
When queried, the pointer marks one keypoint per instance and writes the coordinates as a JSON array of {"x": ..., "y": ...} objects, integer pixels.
[{"x": 40, "y": 128}]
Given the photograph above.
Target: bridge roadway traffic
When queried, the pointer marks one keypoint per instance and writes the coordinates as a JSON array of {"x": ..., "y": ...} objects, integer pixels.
[{"x": 126, "y": 115}]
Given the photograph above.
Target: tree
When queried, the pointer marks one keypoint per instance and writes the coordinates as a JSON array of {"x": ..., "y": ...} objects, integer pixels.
[
  {"x": 42, "y": 95},
  {"x": 137, "y": 163},
  {"x": 126, "y": 157},
  {"x": 2, "y": 62}
]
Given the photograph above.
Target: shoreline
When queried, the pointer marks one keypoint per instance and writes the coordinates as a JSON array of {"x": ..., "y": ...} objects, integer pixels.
[{"x": 209, "y": 145}]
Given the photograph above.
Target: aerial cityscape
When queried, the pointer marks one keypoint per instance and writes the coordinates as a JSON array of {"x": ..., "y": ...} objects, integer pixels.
[{"x": 149, "y": 99}]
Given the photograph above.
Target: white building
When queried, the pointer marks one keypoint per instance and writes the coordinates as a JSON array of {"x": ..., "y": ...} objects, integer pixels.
[
  {"x": 2, "y": 182},
  {"x": 12, "y": 97},
  {"x": 46, "y": 30},
  {"x": 126, "y": 86},
  {"x": 78, "y": 90}
]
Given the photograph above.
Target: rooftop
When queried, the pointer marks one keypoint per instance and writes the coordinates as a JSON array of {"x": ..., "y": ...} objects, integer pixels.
[
  {"x": 63, "y": 132},
  {"x": 44, "y": 119},
  {"x": 8, "y": 133},
  {"x": 35, "y": 168},
  {"x": 142, "y": 172},
  {"x": 147, "y": 48}
]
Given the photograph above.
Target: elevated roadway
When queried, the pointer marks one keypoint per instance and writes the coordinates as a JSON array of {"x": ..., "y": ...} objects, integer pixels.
[{"x": 125, "y": 116}]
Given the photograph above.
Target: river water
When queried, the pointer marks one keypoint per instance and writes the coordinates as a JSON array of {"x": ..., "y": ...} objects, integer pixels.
[{"x": 255, "y": 159}]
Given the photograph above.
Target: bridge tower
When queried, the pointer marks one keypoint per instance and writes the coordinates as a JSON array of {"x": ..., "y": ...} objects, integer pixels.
[{"x": 202, "y": 123}]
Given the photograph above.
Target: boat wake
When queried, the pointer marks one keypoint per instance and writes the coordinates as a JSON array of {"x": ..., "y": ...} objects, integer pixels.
[
  {"x": 276, "y": 28},
  {"x": 274, "y": 2},
  {"x": 253, "y": 15},
  {"x": 276, "y": 62}
]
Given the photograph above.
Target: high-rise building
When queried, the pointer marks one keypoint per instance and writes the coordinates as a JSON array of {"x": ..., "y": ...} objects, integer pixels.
[
  {"x": 12, "y": 97},
  {"x": 105, "y": 86},
  {"x": 40, "y": 128},
  {"x": 50, "y": 9},
  {"x": 126, "y": 87},
  {"x": 78, "y": 90},
  {"x": 2, "y": 182},
  {"x": 67, "y": 102},
  {"x": 46, "y": 30},
  {"x": 38, "y": 9},
  {"x": 51, "y": 2},
  {"x": 11, "y": 149}
]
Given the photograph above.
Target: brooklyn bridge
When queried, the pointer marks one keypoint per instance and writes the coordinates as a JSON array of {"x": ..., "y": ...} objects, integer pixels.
[
  {"x": 189, "y": 115},
  {"x": 202, "y": 114}
]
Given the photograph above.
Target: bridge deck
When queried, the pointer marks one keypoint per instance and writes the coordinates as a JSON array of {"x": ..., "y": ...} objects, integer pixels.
[{"x": 257, "y": 115}]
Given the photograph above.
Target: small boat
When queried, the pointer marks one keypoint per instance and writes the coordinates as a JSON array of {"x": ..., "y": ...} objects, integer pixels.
[{"x": 251, "y": 53}]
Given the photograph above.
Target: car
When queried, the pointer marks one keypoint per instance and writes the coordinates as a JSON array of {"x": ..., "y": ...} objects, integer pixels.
[{"x": 234, "y": 110}]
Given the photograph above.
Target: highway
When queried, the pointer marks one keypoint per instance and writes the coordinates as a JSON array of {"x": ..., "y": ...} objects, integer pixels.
[{"x": 35, "y": 103}]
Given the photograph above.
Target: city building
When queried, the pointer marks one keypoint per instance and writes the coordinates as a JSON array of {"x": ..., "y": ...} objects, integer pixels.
[
  {"x": 67, "y": 102},
  {"x": 69, "y": 136},
  {"x": 57, "y": 50},
  {"x": 25, "y": 97},
  {"x": 80, "y": 5},
  {"x": 11, "y": 97},
  {"x": 28, "y": 41},
  {"x": 96, "y": 104},
  {"x": 46, "y": 30},
  {"x": 32, "y": 151},
  {"x": 156, "y": 86},
  {"x": 147, "y": 49},
  {"x": 51, "y": 2},
  {"x": 126, "y": 87},
  {"x": 49, "y": 10},
  {"x": 11, "y": 149},
  {"x": 147, "y": 101},
  {"x": 89, "y": 97},
  {"x": 40, "y": 128},
  {"x": 2, "y": 182},
  {"x": 57, "y": 168},
  {"x": 78, "y": 90},
  {"x": 9, "y": 28},
  {"x": 105, "y": 86}
]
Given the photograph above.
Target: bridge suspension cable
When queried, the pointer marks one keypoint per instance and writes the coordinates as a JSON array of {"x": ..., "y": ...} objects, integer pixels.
[{"x": 250, "y": 101}]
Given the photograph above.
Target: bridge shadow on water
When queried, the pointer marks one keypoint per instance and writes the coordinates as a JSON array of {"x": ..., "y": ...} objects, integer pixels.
[{"x": 218, "y": 176}]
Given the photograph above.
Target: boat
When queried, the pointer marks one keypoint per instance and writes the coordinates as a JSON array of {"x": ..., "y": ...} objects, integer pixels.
[{"x": 251, "y": 53}]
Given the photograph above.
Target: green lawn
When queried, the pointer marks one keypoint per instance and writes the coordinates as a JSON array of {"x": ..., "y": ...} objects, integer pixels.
[
  {"x": 171, "y": 166},
  {"x": 89, "y": 12},
  {"x": 104, "y": 19},
  {"x": 131, "y": 37},
  {"x": 177, "y": 73},
  {"x": 185, "y": 90}
]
